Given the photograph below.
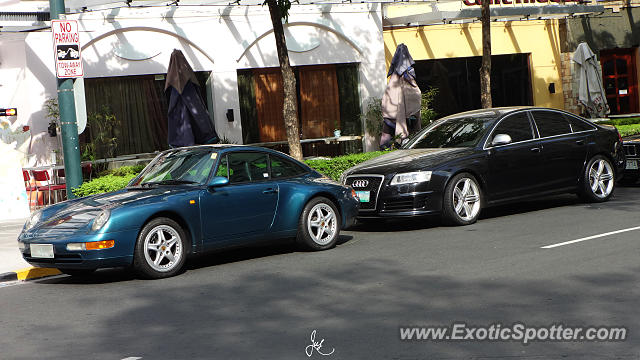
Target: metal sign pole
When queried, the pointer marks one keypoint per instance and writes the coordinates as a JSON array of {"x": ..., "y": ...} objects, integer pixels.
[{"x": 68, "y": 123}]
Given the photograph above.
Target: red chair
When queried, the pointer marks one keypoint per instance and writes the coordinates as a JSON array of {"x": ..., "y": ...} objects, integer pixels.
[
  {"x": 42, "y": 176},
  {"x": 29, "y": 187}
]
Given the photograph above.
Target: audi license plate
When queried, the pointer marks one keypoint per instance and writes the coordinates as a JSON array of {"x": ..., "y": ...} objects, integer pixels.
[
  {"x": 632, "y": 165},
  {"x": 364, "y": 196},
  {"x": 42, "y": 251}
]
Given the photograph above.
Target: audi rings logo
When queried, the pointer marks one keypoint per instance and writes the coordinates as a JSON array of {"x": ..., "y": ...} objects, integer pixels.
[{"x": 360, "y": 183}]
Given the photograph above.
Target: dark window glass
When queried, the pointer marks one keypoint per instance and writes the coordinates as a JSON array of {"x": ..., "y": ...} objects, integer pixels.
[
  {"x": 621, "y": 66},
  {"x": 610, "y": 86},
  {"x": 517, "y": 126},
  {"x": 281, "y": 168},
  {"x": 452, "y": 132},
  {"x": 579, "y": 125},
  {"x": 247, "y": 166},
  {"x": 623, "y": 84},
  {"x": 550, "y": 123},
  {"x": 607, "y": 67}
]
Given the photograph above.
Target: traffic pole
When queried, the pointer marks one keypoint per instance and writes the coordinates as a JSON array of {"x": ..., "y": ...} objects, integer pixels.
[{"x": 68, "y": 122}]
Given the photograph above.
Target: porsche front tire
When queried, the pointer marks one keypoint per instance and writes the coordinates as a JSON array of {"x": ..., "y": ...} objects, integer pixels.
[{"x": 160, "y": 250}]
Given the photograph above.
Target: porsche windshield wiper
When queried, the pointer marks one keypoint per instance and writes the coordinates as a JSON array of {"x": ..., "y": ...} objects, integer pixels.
[{"x": 170, "y": 182}]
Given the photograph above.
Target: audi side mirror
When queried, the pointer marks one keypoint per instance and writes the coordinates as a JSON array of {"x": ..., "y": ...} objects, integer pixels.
[
  {"x": 218, "y": 181},
  {"x": 501, "y": 139}
]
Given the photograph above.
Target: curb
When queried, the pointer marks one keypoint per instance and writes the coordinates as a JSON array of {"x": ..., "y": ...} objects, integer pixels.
[{"x": 28, "y": 274}]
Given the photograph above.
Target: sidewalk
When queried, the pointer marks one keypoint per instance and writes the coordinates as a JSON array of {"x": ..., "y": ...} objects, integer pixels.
[
  {"x": 11, "y": 261},
  {"x": 10, "y": 258}
]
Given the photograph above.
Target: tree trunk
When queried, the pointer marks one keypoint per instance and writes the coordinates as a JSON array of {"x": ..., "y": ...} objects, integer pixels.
[
  {"x": 485, "y": 70},
  {"x": 290, "y": 108}
]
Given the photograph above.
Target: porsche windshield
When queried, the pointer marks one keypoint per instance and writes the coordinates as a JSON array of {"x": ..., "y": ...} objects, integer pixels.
[
  {"x": 459, "y": 131},
  {"x": 183, "y": 166}
]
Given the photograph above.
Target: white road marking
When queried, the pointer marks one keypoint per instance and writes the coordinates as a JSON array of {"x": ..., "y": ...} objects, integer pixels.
[
  {"x": 132, "y": 358},
  {"x": 590, "y": 237}
]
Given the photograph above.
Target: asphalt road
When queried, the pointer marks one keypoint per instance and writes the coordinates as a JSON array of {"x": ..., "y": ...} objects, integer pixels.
[{"x": 263, "y": 303}]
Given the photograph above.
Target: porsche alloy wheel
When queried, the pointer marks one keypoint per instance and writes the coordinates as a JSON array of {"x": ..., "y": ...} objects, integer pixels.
[
  {"x": 160, "y": 250},
  {"x": 319, "y": 225}
]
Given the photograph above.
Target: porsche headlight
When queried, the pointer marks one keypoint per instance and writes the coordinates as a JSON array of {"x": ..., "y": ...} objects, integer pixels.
[
  {"x": 411, "y": 177},
  {"x": 33, "y": 220},
  {"x": 100, "y": 220}
]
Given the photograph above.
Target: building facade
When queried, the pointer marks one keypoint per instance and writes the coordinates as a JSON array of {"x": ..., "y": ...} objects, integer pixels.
[{"x": 336, "y": 50}]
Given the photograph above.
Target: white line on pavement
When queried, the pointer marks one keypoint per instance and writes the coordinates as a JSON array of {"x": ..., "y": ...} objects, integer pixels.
[{"x": 590, "y": 237}]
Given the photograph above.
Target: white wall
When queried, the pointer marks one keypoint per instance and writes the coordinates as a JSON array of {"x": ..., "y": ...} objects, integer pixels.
[{"x": 220, "y": 39}]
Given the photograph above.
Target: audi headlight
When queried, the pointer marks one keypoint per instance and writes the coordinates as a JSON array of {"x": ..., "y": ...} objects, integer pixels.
[
  {"x": 100, "y": 220},
  {"x": 411, "y": 177},
  {"x": 33, "y": 220}
]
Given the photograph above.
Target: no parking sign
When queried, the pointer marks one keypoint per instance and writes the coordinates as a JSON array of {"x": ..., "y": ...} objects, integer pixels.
[{"x": 66, "y": 47}]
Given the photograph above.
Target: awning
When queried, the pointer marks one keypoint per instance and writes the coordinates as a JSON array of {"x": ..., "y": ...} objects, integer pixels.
[{"x": 497, "y": 14}]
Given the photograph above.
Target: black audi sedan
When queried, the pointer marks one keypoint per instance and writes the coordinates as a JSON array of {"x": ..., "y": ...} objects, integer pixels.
[{"x": 467, "y": 161}]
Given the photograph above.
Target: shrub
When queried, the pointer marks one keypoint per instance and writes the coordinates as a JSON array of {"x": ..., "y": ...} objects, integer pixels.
[
  {"x": 334, "y": 167},
  {"x": 123, "y": 170},
  {"x": 623, "y": 121},
  {"x": 103, "y": 184}
]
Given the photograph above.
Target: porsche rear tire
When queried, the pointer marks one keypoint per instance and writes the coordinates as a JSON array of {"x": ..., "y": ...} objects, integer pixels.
[
  {"x": 319, "y": 225},
  {"x": 160, "y": 250}
]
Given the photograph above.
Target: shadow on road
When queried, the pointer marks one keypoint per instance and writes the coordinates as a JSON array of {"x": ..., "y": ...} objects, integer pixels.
[
  {"x": 210, "y": 259},
  {"x": 357, "y": 308}
]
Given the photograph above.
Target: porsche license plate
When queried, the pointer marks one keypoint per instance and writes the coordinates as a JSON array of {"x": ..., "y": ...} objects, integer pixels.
[
  {"x": 364, "y": 196},
  {"x": 632, "y": 165},
  {"x": 42, "y": 251}
]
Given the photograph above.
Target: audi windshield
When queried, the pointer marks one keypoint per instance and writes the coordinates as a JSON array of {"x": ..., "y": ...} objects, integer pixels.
[{"x": 454, "y": 131}]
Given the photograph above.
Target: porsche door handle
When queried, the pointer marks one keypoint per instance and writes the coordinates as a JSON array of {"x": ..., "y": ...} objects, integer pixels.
[
  {"x": 270, "y": 191},
  {"x": 580, "y": 142},
  {"x": 535, "y": 149}
]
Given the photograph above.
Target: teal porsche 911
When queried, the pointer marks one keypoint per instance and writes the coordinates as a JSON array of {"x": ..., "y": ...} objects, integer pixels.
[{"x": 188, "y": 201}]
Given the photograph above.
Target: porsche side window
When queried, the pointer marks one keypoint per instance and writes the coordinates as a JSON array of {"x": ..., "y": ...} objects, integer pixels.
[
  {"x": 247, "y": 166},
  {"x": 281, "y": 168},
  {"x": 517, "y": 126},
  {"x": 551, "y": 123}
]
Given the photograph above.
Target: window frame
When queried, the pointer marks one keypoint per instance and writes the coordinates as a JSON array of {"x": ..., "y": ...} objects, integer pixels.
[
  {"x": 226, "y": 155},
  {"x": 532, "y": 127},
  {"x": 304, "y": 171},
  {"x": 533, "y": 118}
]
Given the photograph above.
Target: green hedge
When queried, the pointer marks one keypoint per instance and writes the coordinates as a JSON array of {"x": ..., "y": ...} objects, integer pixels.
[
  {"x": 103, "y": 184},
  {"x": 117, "y": 179},
  {"x": 623, "y": 121},
  {"x": 123, "y": 171},
  {"x": 334, "y": 167},
  {"x": 628, "y": 130}
]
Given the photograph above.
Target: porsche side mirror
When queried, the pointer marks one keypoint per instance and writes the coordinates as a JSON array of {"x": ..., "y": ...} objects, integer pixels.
[
  {"x": 218, "y": 181},
  {"x": 501, "y": 139}
]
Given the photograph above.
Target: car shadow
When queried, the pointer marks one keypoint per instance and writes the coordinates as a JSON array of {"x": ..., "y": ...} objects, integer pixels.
[
  {"x": 526, "y": 206},
  {"x": 208, "y": 259}
]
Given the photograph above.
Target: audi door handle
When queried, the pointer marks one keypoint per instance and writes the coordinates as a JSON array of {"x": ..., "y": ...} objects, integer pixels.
[
  {"x": 580, "y": 142},
  {"x": 270, "y": 191},
  {"x": 535, "y": 149}
]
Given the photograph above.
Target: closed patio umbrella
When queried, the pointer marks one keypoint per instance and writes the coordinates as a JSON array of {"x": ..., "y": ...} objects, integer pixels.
[
  {"x": 590, "y": 91},
  {"x": 189, "y": 121},
  {"x": 401, "y": 99}
]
